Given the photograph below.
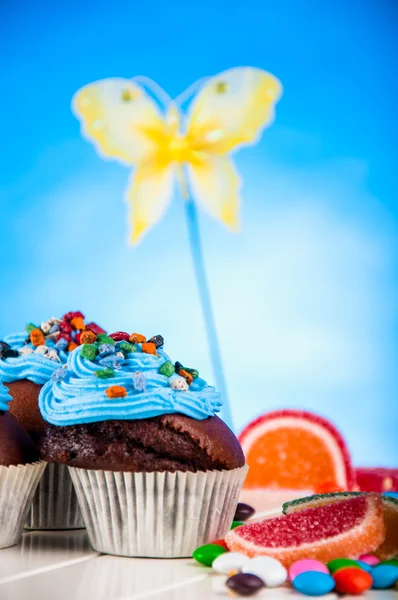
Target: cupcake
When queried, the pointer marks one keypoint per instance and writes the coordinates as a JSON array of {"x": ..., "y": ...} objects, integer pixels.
[
  {"x": 157, "y": 473},
  {"x": 20, "y": 472},
  {"x": 27, "y": 361}
]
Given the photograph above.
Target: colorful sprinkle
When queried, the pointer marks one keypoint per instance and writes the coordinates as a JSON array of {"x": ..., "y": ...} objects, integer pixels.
[
  {"x": 78, "y": 323},
  {"x": 73, "y": 315},
  {"x": 58, "y": 375},
  {"x": 36, "y": 337},
  {"x": 137, "y": 338},
  {"x": 167, "y": 369},
  {"x": 139, "y": 382},
  {"x": 87, "y": 337},
  {"x": 6, "y": 351},
  {"x": 105, "y": 339},
  {"x": 88, "y": 351},
  {"x": 61, "y": 344},
  {"x": 95, "y": 328},
  {"x": 120, "y": 336},
  {"x": 105, "y": 373},
  {"x": 157, "y": 340},
  {"x": 116, "y": 391},
  {"x": 178, "y": 383},
  {"x": 187, "y": 376},
  {"x": 149, "y": 348},
  {"x": 106, "y": 350},
  {"x": 127, "y": 348}
]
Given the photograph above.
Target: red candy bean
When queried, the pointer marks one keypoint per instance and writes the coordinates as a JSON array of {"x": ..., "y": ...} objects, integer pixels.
[{"x": 352, "y": 580}]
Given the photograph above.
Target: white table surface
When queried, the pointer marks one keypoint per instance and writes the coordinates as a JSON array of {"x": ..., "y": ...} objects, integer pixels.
[{"x": 62, "y": 566}]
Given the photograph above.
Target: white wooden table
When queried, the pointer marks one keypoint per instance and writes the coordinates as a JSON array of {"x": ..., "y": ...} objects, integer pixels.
[{"x": 62, "y": 566}]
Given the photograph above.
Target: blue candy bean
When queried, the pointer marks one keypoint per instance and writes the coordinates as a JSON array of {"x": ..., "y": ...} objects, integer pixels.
[
  {"x": 313, "y": 583},
  {"x": 384, "y": 576}
]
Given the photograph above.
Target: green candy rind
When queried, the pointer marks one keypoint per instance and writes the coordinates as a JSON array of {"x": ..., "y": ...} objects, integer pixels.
[
  {"x": 30, "y": 327},
  {"x": 309, "y": 499},
  {"x": 205, "y": 555}
]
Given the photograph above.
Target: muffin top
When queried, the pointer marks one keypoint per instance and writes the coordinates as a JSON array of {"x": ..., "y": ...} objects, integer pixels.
[
  {"x": 39, "y": 351},
  {"x": 124, "y": 377},
  {"x": 16, "y": 447}
]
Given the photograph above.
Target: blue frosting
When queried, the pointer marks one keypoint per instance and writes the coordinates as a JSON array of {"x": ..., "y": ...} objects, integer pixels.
[
  {"x": 78, "y": 395},
  {"x": 5, "y": 397},
  {"x": 35, "y": 367}
]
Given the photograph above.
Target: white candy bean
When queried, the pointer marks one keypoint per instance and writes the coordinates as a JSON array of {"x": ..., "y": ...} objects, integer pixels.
[
  {"x": 270, "y": 570},
  {"x": 230, "y": 561}
]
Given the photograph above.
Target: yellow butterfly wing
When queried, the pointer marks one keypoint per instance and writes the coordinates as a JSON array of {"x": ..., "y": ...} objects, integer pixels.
[
  {"x": 120, "y": 118},
  {"x": 231, "y": 110},
  {"x": 125, "y": 124}
]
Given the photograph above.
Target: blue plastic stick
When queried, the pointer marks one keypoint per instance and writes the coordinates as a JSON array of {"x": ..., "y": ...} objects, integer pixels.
[{"x": 204, "y": 293}]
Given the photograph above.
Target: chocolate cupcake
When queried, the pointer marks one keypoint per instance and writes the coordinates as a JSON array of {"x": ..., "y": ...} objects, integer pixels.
[
  {"x": 20, "y": 472},
  {"x": 156, "y": 472},
  {"x": 27, "y": 361}
]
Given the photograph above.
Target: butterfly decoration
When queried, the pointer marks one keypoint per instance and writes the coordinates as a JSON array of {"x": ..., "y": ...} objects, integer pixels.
[{"x": 166, "y": 145}]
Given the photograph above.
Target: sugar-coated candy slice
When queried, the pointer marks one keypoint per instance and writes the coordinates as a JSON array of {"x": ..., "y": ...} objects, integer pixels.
[
  {"x": 293, "y": 449},
  {"x": 377, "y": 479},
  {"x": 348, "y": 528},
  {"x": 389, "y": 548},
  {"x": 313, "y": 583}
]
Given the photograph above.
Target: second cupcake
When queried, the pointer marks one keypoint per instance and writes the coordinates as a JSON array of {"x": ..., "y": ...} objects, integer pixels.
[{"x": 156, "y": 472}]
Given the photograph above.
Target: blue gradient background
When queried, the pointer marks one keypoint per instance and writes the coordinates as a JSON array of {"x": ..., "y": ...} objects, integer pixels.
[{"x": 306, "y": 296}]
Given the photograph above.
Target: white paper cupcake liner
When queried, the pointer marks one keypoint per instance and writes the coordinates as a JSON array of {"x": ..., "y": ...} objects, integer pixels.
[
  {"x": 55, "y": 504},
  {"x": 158, "y": 515},
  {"x": 17, "y": 486}
]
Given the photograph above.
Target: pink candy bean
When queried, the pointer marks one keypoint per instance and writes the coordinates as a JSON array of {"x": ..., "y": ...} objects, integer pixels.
[
  {"x": 307, "y": 564},
  {"x": 369, "y": 559}
]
